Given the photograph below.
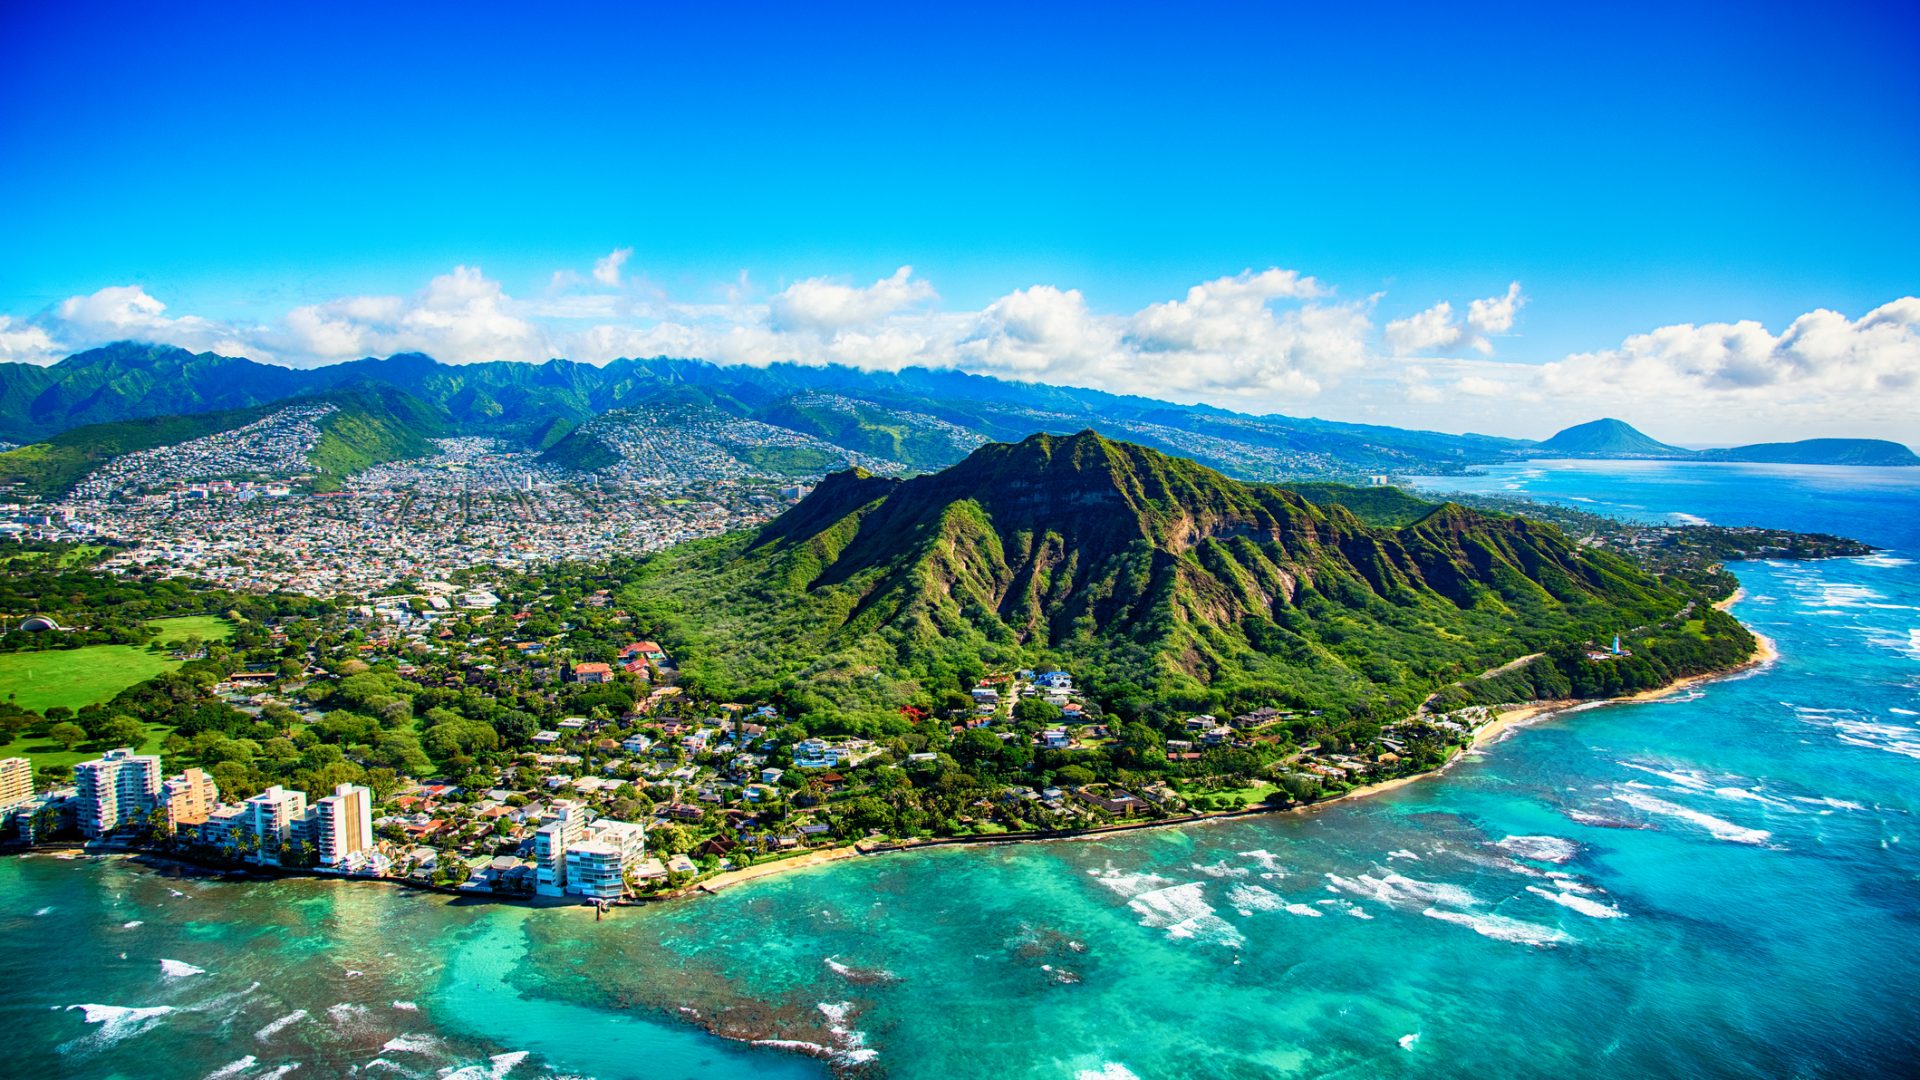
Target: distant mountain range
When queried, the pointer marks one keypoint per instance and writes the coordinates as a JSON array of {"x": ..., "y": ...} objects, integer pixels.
[
  {"x": 1617, "y": 439},
  {"x": 580, "y": 415},
  {"x": 1154, "y": 578}
]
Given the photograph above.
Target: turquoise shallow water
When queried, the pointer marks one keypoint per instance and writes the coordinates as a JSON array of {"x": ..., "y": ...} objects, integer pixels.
[{"x": 1719, "y": 884}]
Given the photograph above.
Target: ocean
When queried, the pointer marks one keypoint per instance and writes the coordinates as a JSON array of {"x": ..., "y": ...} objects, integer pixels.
[{"x": 1721, "y": 883}]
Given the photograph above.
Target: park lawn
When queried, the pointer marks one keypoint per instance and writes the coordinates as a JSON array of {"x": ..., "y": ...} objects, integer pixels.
[
  {"x": 205, "y": 627},
  {"x": 76, "y": 677}
]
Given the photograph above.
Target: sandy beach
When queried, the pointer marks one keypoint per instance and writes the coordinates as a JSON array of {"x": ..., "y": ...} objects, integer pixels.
[{"x": 768, "y": 869}]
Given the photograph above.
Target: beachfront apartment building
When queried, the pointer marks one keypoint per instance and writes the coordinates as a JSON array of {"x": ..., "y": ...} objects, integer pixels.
[
  {"x": 115, "y": 790},
  {"x": 597, "y": 865},
  {"x": 596, "y": 870},
  {"x": 189, "y": 798},
  {"x": 276, "y": 817},
  {"x": 16, "y": 782},
  {"x": 550, "y": 844},
  {"x": 343, "y": 827}
]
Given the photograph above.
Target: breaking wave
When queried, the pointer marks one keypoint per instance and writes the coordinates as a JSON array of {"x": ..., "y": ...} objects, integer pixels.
[
  {"x": 1719, "y": 828},
  {"x": 1502, "y": 928}
]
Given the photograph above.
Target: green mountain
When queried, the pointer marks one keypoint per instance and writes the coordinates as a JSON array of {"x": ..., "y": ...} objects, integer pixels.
[
  {"x": 1610, "y": 438},
  {"x": 1819, "y": 452},
  {"x": 920, "y": 418},
  {"x": 371, "y": 423},
  {"x": 1162, "y": 584}
]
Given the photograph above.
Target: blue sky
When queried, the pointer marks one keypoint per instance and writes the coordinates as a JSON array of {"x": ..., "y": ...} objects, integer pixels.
[{"x": 1636, "y": 167}]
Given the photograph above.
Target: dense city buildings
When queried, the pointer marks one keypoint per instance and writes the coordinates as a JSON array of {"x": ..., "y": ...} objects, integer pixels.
[{"x": 473, "y": 504}]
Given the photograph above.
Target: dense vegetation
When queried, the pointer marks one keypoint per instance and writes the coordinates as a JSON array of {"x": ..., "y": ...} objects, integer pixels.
[{"x": 1166, "y": 587}]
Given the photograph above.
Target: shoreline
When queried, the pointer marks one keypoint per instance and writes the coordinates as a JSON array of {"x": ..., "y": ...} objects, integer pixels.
[
  {"x": 1503, "y": 724},
  {"x": 1498, "y": 728}
]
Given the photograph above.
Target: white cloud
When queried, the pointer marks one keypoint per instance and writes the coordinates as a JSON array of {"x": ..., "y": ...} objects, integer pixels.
[
  {"x": 460, "y": 317},
  {"x": 1430, "y": 330},
  {"x": 1821, "y": 355},
  {"x": 25, "y": 343},
  {"x": 1495, "y": 314},
  {"x": 128, "y": 312},
  {"x": 1436, "y": 331},
  {"x": 1271, "y": 340},
  {"x": 825, "y": 306},
  {"x": 606, "y": 271}
]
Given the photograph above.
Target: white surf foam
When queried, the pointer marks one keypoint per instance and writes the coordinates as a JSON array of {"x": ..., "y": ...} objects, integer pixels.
[
  {"x": 1397, "y": 890},
  {"x": 1882, "y": 559},
  {"x": 1739, "y": 794},
  {"x": 232, "y": 1068},
  {"x": 1267, "y": 860},
  {"x": 1592, "y": 909},
  {"x": 1111, "y": 1070},
  {"x": 131, "y": 925},
  {"x": 116, "y": 1022},
  {"x": 497, "y": 1067},
  {"x": 277, "y": 1026},
  {"x": 1551, "y": 849},
  {"x": 1686, "y": 778},
  {"x": 1221, "y": 869},
  {"x": 1501, "y": 928},
  {"x": 1719, "y": 828},
  {"x": 1303, "y": 909},
  {"x": 175, "y": 969},
  {"x": 1407, "y": 1041},
  {"x": 1183, "y": 912},
  {"x": 406, "y": 1006},
  {"x": 1403, "y": 853},
  {"x": 1129, "y": 883},
  {"x": 1247, "y": 899},
  {"x": 410, "y": 1044}
]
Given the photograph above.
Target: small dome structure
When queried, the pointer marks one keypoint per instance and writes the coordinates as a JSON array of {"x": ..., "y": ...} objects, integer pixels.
[{"x": 39, "y": 624}]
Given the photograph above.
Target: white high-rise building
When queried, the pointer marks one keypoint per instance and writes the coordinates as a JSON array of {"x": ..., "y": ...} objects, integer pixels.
[
  {"x": 550, "y": 844},
  {"x": 276, "y": 817},
  {"x": 597, "y": 865},
  {"x": 116, "y": 789},
  {"x": 343, "y": 826}
]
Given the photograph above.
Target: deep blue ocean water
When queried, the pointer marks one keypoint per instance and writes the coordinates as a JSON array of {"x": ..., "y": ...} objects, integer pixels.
[{"x": 1722, "y": 883}]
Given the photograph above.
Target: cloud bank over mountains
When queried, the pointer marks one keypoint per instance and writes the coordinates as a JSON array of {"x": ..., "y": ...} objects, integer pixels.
[{"x": 1272, "y": 340}]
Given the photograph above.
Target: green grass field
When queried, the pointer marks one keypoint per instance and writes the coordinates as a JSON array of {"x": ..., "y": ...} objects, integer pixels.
[
  {"x": 73, "y": 677},
  {"x": 205, "y": 627},
  {"x": 76, "y": 677},
  {"x": 80, "y": 677}
]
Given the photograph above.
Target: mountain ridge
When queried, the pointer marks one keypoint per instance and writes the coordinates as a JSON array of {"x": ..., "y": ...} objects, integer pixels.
[
  {"x": 1156, "y": 578},
  {"x": 921, "y": 418}
]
